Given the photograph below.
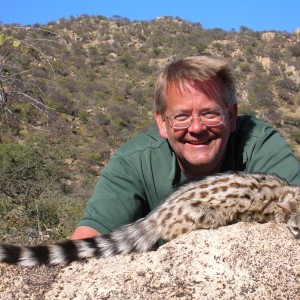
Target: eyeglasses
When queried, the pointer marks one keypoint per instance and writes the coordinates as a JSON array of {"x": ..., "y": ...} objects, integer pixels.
[{"x": 209, "y": 118}]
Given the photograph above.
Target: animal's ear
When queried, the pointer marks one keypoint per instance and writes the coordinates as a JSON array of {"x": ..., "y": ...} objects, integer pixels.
[{"x": 285, "y": 206}]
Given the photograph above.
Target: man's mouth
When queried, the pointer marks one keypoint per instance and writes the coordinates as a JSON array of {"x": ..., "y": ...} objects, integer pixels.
[{"x": 199, "y": 142}]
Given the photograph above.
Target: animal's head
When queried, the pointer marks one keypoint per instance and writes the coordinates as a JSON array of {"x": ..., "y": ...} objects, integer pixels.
[{"x": 291, "y": 209}]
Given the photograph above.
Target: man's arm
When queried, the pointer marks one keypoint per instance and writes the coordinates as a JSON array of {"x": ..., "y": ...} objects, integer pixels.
[
  {"x": 83, "y": 232},
  {"x": 117, "y": 200}
]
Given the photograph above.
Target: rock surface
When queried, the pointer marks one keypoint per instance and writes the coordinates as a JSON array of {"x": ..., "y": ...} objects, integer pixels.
[
  {"x": 26, "y": 283},
  {"x": 241, "y": 261}
]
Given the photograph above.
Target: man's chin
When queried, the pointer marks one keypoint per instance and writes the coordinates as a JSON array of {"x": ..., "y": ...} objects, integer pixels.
[
  {"x": 205, "y": 164},
  {"x": 201, "y": 160}
]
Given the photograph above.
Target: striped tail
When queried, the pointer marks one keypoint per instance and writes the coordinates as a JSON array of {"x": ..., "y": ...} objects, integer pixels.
[{"x": 136, "y": 237}]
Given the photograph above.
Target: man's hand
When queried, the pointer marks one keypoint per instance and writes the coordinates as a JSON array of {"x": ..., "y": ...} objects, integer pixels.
[{"x": 83, "y": 232}]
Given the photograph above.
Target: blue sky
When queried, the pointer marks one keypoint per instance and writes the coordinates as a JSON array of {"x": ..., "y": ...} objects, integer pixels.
[{"x": 258, "y": 15}]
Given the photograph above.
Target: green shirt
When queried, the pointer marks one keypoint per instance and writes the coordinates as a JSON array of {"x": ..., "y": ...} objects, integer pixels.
[{"x": 142, "y": 173}]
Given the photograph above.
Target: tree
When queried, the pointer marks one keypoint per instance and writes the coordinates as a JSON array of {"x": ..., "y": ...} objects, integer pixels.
[{"x": 19, "y": 91}]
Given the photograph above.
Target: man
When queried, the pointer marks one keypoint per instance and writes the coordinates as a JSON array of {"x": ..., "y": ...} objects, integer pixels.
[{"x": 198, "y": 134}]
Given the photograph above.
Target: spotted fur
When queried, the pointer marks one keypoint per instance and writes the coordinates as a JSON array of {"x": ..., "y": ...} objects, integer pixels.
[{"x": 209, "y": 203}]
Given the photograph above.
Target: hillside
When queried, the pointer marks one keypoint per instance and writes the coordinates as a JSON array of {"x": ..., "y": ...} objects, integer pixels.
[{"x": 73, "y": 91}]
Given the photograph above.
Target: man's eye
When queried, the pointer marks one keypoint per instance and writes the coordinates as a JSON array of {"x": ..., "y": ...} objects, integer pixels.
[
  {"x": 211, "y": 114},
  {"x": 182, "y": 117}
]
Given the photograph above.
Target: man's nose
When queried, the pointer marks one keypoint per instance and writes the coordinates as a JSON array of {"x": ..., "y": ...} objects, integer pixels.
[{"x": 196, "y": 125}]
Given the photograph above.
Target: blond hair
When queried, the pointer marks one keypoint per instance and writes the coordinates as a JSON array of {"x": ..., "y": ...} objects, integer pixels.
[{"x": 197, "y": 69}]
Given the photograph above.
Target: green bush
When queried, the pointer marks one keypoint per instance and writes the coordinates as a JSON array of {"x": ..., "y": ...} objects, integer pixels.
[
  {"x": 295, "y": 134},
  {"x": 51, "y": 217},
  {"x": 26, "y": 170}
]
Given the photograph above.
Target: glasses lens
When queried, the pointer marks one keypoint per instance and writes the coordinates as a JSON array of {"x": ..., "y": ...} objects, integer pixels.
[
  {"x": 180, "y": 120},
  {"x": 212, "y": 118}
]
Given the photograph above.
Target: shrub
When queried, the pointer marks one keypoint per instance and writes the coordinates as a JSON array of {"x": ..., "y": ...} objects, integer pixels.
[
  {"x": 41, "y": 220},
  {"x": 26, "y": 170},
  {"x": 295, "y": 134}
]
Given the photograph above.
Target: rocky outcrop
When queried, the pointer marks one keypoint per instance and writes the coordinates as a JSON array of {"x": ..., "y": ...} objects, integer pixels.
[{"x": 241, "y": 261}]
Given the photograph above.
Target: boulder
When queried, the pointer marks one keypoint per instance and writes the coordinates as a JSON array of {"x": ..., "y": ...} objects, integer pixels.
[{"x": 240, "y": 261}]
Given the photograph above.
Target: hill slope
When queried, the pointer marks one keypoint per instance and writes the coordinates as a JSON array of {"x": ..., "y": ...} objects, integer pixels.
[{"x": 74, "y": 90}]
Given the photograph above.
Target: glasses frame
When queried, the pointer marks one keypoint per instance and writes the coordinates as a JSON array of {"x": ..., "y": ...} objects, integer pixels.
[{"x": 170, "y": 118}]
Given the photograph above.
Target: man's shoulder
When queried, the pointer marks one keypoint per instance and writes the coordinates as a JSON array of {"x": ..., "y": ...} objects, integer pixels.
[
  {"x": 252, "y": 127},
  {"x": 144, "y": 142}
]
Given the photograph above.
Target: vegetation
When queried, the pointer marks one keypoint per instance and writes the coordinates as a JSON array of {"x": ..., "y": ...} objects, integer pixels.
[{"x": 73, "y": 91}]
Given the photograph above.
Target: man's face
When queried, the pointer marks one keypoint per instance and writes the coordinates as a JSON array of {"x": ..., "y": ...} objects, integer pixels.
[{"x": 200, "y": 150}]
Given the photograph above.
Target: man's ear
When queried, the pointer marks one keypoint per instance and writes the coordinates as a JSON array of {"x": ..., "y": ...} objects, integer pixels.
[
  {"x": 161, "y": 123},
  {"x": 233, "y": 115}
]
